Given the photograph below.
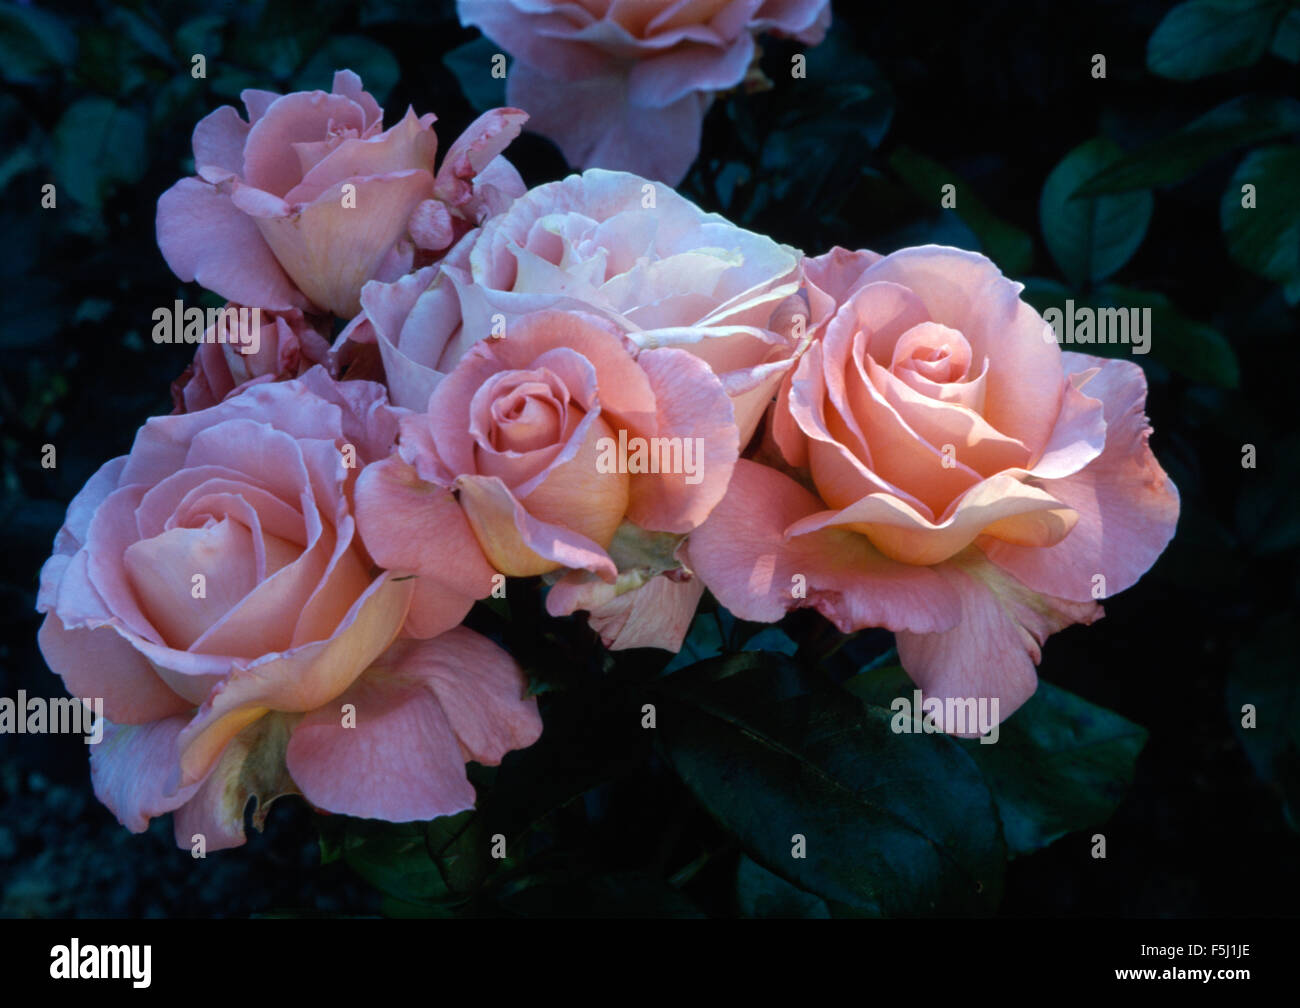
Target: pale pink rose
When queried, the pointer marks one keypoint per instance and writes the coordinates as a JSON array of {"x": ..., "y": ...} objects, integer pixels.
[
  {"x": 549, "y": 440},
  {"x": 414, "y": 325},
  {"x": 302, "y": 204},
  {"x": 212, "y": 589},
  {"x": 951, "y": 475},
  {"x": 624, "y": 84},
  {"x": 286, "y": 345},
  {"x": 650, "y": 262}
]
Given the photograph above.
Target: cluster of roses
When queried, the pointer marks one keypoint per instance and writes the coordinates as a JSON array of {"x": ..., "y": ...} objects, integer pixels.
[{"x": 268, "y": 590}]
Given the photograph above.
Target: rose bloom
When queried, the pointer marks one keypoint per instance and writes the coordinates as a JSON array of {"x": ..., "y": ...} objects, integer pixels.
[
  {"x": 524, "y": 436},
  {"x": 302, "y": 204},
  {"x": 625, "y": 83},
  {"x": 943, "y": 470},
  {"x": 645, "y": 259},
  {"x": 287, "y": 344},
  {"x": 414, "y": 325},
  {"x": 212, "y": 589}
]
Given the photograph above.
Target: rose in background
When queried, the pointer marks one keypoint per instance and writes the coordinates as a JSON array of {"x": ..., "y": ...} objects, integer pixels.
[
  {"x": 533, "y": 437},
  {"x": 624, "y": 84},
  {"x": 287, "y": 345},
  {"x": 942, "y": 469},
  {"x": 307, "y": 200},
  {"x": 211, "y": 587}
]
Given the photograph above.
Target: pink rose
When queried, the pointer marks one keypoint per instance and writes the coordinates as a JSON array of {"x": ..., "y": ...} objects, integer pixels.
[
  {"x": 211, "y": 587},
  {"x": 624, "y": 84},
  {"x": 309, "y": 199},
  {"x": 286, "y": 345},
  {"x": 555, "y": 440},
  {"x": 650, "y": 262},
  {"x": 414, "y": 323},
  {"x": 951, "y": 475}
]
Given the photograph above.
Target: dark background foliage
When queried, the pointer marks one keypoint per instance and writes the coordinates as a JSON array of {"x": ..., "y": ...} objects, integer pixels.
[{"x": 901, "y": 100}]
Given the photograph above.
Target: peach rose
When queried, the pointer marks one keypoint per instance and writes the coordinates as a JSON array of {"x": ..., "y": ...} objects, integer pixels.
[
  {"x": 949, "y": 474},
  {"x": 554, "y": 440},
  {"x": 625, "y": 84},
  {"x": 211, "y": 588},
  {"x": 302, "y": 204},
  {"x": 650, "y": 262},
  {"x": 286, "y": 345}
]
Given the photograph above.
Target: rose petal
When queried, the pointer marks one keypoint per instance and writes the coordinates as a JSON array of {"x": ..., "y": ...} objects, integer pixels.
[
  {"x": 993, "y": 649},
  {"x": 129, "y": 769},
  {"x": 204, "y": 237},
  {"x": 745, "y": 556},
  {"x": 421, "y": 710},
  {"x": 1127, "y": 506},
  {"x": 414, "y": 527}
]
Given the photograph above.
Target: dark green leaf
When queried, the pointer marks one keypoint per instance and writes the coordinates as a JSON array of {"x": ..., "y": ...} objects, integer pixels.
[
  {"x": 1204, "y": 37},
  {"x": 893, "y": 824},
  {"x": 146, "y": 36},
  {"x": 1246, "y": 120},
  {"x": 201, "y": 35},
  {"x": 849, "y": 83},
  {"x": 762, "y": 894},
  {"x": 705, "y": 639},
  {"x": 1286, "y": 43},
  {"x": 1264, "y": 674},
  {"x": 32, "y": 42},
  {"x": 34, "y": 312},
  {"x": 1265, "y": 238},
  {"x": 16, "y": 161},
  {"x": 97, "y": 144},
  {"x": 1193, "y": 349},
  {"x": 462, "y": 847},
  {"x": 1006, "y": 245},
  {"x": 374, "y": 64},
  {"x": 394, "y": 859},
  {"x": 1059, "y": 764},
  {"x": 472, "y": 65},
  {"x": 110, "y": 65},
  {"x": 1267, "y": 518},
  {"x": 1091, "y": 237}
]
